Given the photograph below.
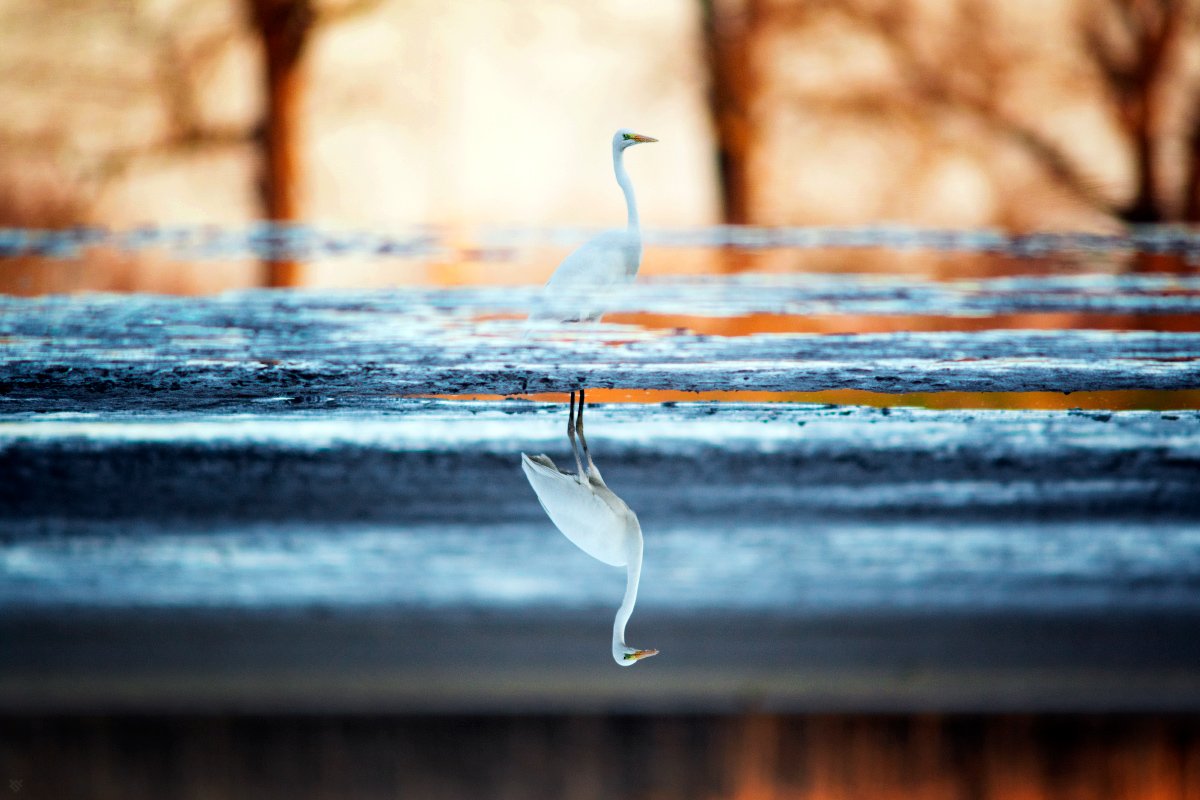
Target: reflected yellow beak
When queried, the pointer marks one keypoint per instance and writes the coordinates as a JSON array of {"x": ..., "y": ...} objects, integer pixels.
[
  {"x": 637, "y": 137},
  {"x": 640, "y": 654}
]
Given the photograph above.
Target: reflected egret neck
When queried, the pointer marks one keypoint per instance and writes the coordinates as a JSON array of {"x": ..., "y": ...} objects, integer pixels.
[{"x": 596, "y": 521}]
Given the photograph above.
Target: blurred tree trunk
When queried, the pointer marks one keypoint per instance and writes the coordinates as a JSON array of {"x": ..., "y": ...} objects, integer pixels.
[
  {"x": 727, "y": 26},
  {"x": 284, "y": 27},
  {"x": 1191, "y": 212},
  {"x": 1138, "y": 52}
]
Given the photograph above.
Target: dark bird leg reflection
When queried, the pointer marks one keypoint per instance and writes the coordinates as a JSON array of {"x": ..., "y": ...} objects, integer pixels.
[
  {"x": 571, "y": 424},
  {"x": 582, "y": 439}
]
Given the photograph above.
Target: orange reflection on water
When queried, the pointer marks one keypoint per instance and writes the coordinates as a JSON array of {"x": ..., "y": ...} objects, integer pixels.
[
  {"x": 1123, "y": 400},
  {"x": 472, "y": 265},
  {"x": 749, "y": 324}
]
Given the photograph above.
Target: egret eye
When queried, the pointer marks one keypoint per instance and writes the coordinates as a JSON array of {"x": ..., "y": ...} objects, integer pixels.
[{"x": 628, "y": 136}]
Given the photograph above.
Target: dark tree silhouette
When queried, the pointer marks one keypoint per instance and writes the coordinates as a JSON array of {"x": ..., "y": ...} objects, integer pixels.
[
  {"x": 1136, "y": 44},
  {"x": 731, "y": 85},
  {"x": 284, "y": 26},
  {"x": 1134, "y": 60}
]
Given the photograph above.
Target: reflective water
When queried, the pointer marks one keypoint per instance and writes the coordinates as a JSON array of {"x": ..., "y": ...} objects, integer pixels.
[
  {"x": 778, "y": 510},
  {"x": 304, "y": 242},
  {"x": 747, "y": 509},
  {"x": 811, "y": 567}
]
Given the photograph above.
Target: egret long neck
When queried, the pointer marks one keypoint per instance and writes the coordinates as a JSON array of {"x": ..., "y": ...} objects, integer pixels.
[
  {"x": 626, "y": 185},
  {"x": 633, "y": 574}
]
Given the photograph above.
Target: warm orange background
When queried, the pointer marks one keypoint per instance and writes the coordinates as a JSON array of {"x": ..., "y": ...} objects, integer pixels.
[{"x": 962, "y": 113}]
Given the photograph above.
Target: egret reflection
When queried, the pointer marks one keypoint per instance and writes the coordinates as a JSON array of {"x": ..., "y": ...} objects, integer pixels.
[
  {"x": 598, "y": 522},
  {"x": 608, "y": 260}
]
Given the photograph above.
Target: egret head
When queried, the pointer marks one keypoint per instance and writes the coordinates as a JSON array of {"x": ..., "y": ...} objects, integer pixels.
[
  {"x": 626, "y": 138},
  {"x": 628, "y": 656}
]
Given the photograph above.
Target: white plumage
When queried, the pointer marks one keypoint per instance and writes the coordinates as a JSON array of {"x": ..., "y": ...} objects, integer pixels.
[
  {"x": 590, "y": 515},
  {"x": 598, "y": 522},
  {"x": 578, "y": 289}
]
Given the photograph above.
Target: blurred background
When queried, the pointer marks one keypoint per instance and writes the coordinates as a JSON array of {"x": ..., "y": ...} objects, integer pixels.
[
  {"x": 455, "y": 122},
  {"x": 371, "y": 114}
]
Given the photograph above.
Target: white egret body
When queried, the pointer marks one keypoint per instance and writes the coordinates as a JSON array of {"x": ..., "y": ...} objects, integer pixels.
[
  {"x": 575, "y": 292},
  {"x": 598, "y": 522}
]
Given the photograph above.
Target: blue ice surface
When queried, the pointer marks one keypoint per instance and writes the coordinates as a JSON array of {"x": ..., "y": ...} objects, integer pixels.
[
  {"x": 812, "y": 566},
  {"x": 302, "y": 241}
]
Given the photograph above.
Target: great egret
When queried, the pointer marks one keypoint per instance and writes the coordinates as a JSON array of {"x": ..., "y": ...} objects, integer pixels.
[
  {"x": 608, "y": 260},
  {"x": 595, "y": 520}
]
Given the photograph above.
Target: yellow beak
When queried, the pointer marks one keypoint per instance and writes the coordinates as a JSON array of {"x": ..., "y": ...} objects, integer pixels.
[
  {"x": 637, "y": 137},
  {"x": 640, "y": 654}
]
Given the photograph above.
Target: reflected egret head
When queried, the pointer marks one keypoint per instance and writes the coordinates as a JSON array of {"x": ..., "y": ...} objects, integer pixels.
[
  {"x": 628, "y": 656},
  {"x": 626, "y": 138}
]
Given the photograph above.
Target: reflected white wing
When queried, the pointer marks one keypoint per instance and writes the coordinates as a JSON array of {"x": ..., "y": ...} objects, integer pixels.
[{"x": 583, "y": 512}]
